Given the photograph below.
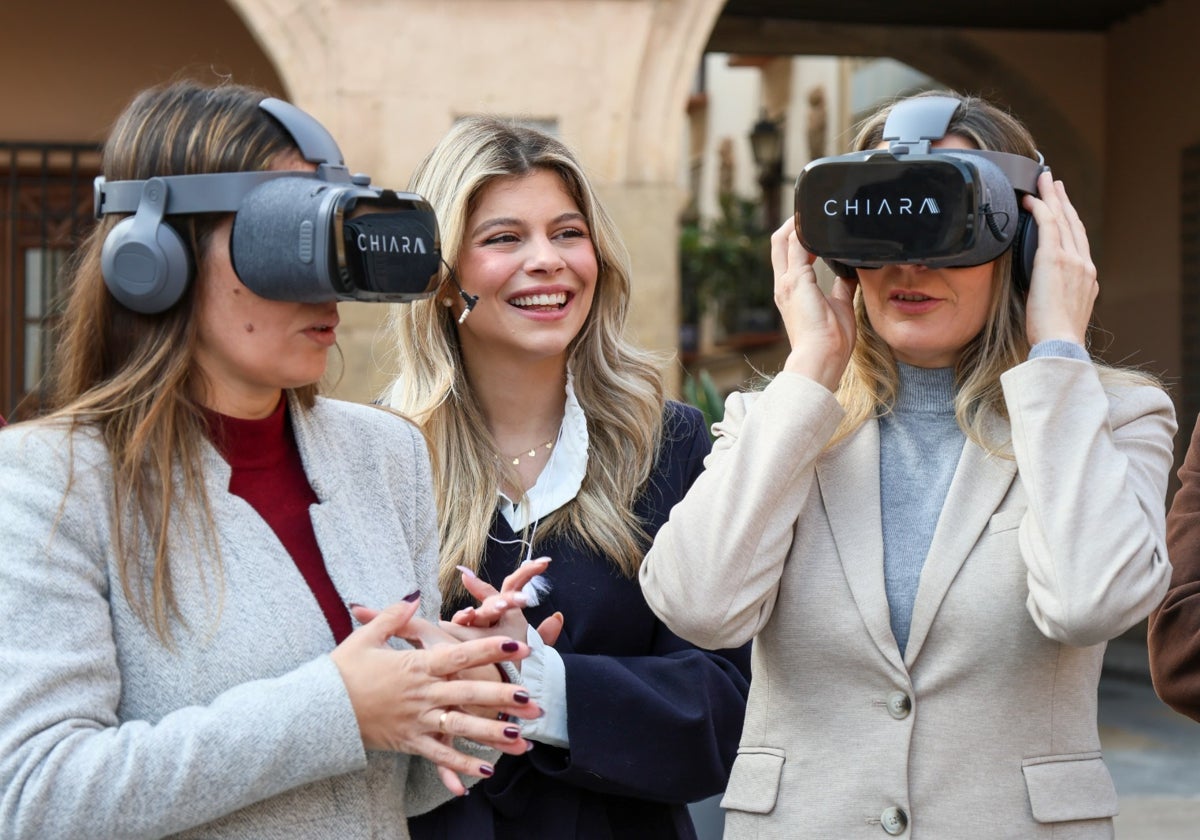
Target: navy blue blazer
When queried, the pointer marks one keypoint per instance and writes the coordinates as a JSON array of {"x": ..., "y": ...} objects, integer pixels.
[{"x": 653, "y": 721}]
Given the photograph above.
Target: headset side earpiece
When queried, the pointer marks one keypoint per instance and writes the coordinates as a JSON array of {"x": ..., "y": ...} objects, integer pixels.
[
  {"x": 145, "y": 263},
  {"x": 1024, "y": 247}
]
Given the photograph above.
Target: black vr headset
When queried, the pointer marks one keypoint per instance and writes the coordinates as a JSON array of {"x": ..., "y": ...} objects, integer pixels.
[
  {"x": 297, "y": 236},
  {"x": 911, "y": 203}
]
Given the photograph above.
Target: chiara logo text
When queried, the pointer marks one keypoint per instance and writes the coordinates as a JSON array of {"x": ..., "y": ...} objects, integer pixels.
[
  {"x": 376, "y": 244},
  {"x": 927, "y": 206}
]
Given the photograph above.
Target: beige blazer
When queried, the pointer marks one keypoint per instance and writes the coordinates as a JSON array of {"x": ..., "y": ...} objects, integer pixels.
[{"x": 987, "y": 726}]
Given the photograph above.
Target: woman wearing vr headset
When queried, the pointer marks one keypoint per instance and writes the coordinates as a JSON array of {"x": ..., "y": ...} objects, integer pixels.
[
  {"x": 184, "y": 532},
  {"x": 930, "y": 522},
  {"x": 551, "y": 437}
]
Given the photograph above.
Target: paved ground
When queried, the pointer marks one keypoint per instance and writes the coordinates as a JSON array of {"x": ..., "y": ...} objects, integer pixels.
[{"x": 1153, "y": 753}]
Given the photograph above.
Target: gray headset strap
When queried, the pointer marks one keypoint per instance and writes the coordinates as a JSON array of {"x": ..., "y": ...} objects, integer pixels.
[
  {"x": 316, "y": 144},
  {"x": 912, "y": 125},
  {"x": 1021, "y": 172},
  {"x": 220, "y": 192}
]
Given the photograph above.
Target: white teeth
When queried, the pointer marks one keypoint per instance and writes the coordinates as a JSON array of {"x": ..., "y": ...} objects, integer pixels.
[
  {"x": 911, "y": 297},
  {"x": 558, "y": 299}
]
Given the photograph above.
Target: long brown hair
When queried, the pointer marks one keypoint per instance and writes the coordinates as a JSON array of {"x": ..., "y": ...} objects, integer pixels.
[{"x": 132, "y": 377}]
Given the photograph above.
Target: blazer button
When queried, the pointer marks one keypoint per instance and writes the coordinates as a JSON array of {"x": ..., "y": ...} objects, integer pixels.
[
  {"x": 894, "y": 820},
  {"x": 899, "y": 705}
]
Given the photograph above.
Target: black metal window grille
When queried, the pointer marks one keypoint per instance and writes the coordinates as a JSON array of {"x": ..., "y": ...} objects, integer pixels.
[{"x": 45, "y": 211}]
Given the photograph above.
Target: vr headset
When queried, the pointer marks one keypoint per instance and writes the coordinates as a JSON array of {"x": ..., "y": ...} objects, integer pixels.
[
  {"x": 911, "y": 203},
  {"x": 297, "y": 236}
]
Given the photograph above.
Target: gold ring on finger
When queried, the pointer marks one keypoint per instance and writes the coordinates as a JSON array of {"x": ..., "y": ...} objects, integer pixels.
[{"x": 442, "y": 722}]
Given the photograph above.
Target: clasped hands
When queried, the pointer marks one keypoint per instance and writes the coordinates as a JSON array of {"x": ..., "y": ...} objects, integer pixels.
[{"x": 418, "y": 701}]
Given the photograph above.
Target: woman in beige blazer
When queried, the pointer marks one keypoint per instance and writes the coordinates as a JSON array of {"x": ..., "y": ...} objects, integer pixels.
[{"x": 930, "y": 522}]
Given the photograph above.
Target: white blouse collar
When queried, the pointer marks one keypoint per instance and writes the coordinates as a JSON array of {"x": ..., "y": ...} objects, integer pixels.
[{"x": 560, "y": 480}]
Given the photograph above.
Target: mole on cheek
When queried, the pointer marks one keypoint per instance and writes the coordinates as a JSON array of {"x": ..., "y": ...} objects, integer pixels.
[{"x": 249, "y": 327}]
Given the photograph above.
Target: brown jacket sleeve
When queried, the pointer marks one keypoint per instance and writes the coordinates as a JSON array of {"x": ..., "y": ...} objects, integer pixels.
[{"x": 1174, "y": 634}]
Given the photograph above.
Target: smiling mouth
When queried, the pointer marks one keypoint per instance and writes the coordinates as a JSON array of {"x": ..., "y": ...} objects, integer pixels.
[
  {"x": 910, "y": 297},
  {"x": 554, "y": 301}
]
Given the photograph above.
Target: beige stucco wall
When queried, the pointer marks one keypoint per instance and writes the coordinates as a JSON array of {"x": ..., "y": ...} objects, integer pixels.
[{"x": 68, "y": 67}]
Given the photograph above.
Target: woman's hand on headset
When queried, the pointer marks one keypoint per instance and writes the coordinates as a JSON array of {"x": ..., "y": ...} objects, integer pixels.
[
  {"x": 820, "y": 327},
  {"x": 1063, "y": 287}
]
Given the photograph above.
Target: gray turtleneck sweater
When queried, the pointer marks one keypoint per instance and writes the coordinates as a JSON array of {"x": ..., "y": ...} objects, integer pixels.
[{"x": 919, "y": 446}]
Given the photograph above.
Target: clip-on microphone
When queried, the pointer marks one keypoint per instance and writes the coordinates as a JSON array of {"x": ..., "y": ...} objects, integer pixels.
[{"x": 469, "y": 299}]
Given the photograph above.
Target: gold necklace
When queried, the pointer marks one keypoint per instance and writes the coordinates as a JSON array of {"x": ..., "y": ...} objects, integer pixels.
[{"x": 515, "y": 460}]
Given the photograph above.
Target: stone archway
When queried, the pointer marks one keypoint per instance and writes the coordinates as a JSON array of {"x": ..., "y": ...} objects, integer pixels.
[{"x": 389, "y": 78}]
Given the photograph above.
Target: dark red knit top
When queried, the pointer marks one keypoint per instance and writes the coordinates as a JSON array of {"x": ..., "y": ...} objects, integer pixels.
[{"x": 268, "y": 474}]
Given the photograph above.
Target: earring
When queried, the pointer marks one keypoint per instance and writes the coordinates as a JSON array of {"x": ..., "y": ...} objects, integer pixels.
[{"x": 447, "y": 302}]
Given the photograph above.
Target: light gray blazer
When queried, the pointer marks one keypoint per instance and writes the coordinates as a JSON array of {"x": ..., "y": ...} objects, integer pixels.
[
  {"x": 987, "y": 727},
  {"x": 245, "y": 729}
]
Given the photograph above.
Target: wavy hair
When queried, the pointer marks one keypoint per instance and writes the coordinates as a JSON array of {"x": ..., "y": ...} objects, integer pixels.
[
  {"x": 870, "y": 383},
  {"x": 133, "y": 377},
  {"x": 619, "y": 387}
]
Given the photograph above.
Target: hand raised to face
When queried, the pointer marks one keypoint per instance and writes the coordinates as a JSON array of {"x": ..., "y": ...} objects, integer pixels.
[
  {"x": 1063, "y": 286},
  {"x": 820, "y": 327}
]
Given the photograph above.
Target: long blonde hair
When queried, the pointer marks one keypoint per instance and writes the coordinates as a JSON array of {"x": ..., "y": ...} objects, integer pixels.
[
  {"x": 618, "y": 386},
  {"x": 132, "y": 376},
  {"x": 870, "y": 383}
]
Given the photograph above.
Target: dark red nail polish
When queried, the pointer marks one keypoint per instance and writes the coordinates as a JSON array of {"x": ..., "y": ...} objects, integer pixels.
[
  {"x": 487, "y": 770},
  {"x": 511, "y": 732},
  {"x": 520, "y": 697},
  {"x": 510, "y": 647},
  {"x": 412, "y": 596}
]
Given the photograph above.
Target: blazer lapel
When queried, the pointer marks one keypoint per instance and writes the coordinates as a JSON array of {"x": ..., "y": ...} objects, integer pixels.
[
  {"x": 979, "y": 485},
  {"x": 848, "y": 477}
]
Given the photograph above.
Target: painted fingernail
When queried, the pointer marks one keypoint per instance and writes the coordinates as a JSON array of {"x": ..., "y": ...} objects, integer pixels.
[
  {"x": 520, "y": 696},
  {"x": 520, "y": 599},
  {"x": 353, "y": 605},
  {"x": 529, "y": 746},
  {"x": 502, "y": 604},
  {"x": 511, "y": 732},
  {"x": 510, "y": 646},
  {"x": 412, "y": 596},
  {"x": 487, "y": 769},
  {"x": 466, "y": 571}
]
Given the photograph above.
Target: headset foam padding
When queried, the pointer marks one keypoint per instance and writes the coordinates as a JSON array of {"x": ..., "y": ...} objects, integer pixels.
[{"x": 277, "y": 245}]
